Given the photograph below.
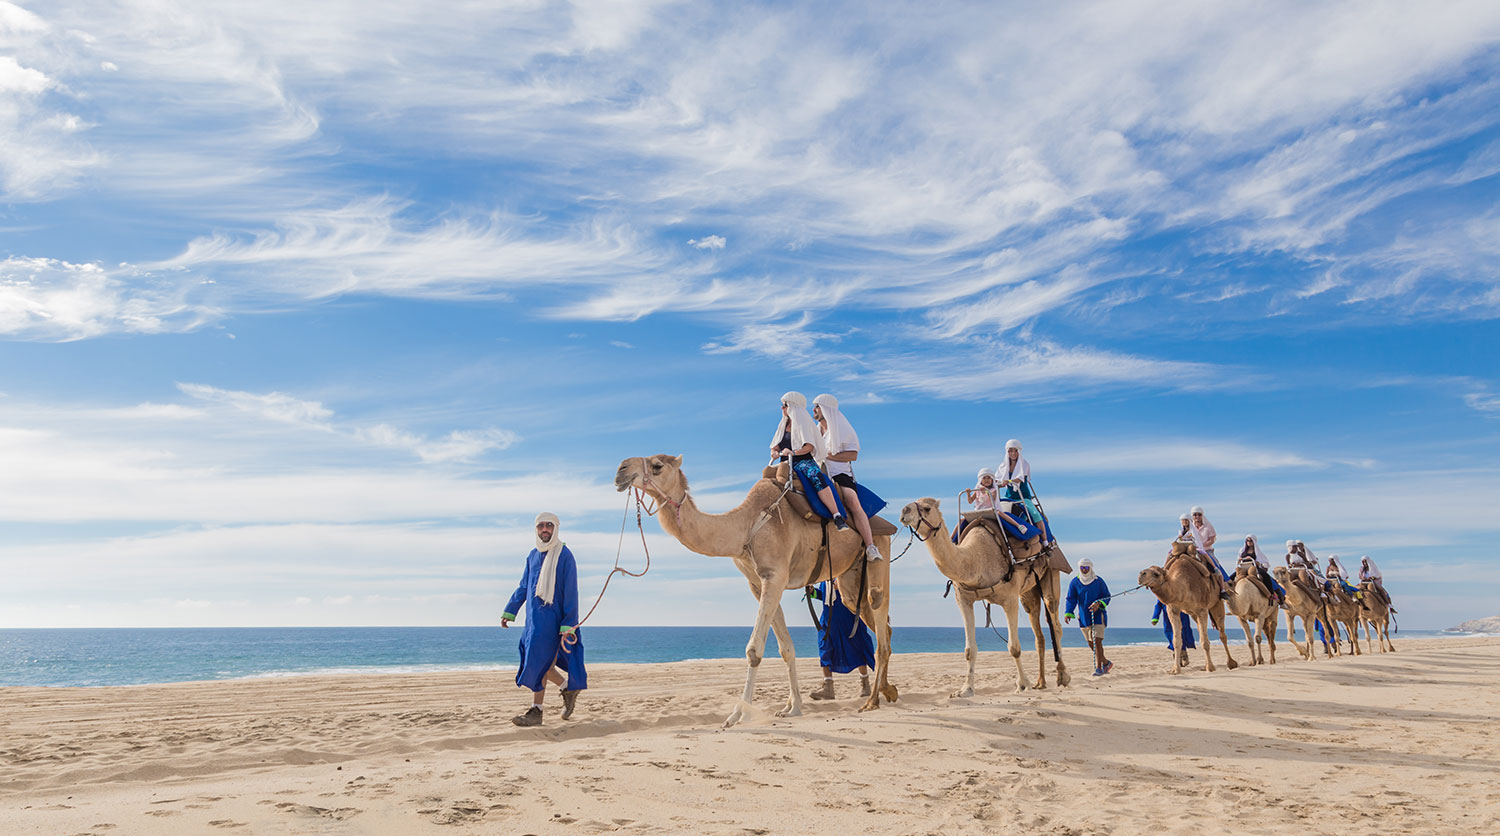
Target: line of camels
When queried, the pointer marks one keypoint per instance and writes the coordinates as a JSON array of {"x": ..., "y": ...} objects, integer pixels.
[{"x": 778, "y": 544}]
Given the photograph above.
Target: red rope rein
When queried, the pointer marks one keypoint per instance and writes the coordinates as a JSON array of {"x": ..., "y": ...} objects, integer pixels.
[{"x": 571, "y": 638}]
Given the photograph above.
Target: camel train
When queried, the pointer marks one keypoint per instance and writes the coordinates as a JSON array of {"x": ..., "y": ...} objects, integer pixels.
[{"x": 778, "y": 543}]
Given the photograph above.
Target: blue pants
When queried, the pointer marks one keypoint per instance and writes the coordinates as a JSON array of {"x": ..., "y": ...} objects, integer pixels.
[{"x": 810, "y": 471}]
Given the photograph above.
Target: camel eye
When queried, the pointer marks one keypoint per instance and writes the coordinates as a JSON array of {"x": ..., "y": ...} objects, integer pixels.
[{"x": 655, "y": 467}]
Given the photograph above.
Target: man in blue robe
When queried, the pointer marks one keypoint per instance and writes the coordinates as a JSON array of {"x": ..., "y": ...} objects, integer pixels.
[
  {"x": 838, "y": 652},
  {"x": 1088, "y": 595},
  {"x": 1188, "y": 642},
  {"x": 549, "y": 590}
]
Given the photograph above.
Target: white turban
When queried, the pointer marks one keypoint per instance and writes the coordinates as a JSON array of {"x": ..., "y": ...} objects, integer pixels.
[
  {"x": 1020, "y": 471},
  {"x": 983, "y": 472},
  {"x": 1184, "y": 518},
  {"x": 804, "y": 429},
  {"x": 841, "y": 437},
  {"x": 1197, "y": 509},
  {"x": 1368, "y": 570},
  {"x": 547, "y": 578},
  {"x": 1090, "y": 576}
]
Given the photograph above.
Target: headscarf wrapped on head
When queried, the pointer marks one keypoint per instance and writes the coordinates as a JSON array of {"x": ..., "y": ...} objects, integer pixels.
[
  {"x": 1368, "y": 570},
  {"x": 1021, "y": 470},
  {"x": 1088, "y": 577},
  {"x": 803, "y": 428},
  {"x": 983, "y": 472},
  {"x": 547, "y": 578},
  {"x": 1260, "y": 556},
  {"x": 841, "y": 437},
  {"x": 1336, "y": 567}
]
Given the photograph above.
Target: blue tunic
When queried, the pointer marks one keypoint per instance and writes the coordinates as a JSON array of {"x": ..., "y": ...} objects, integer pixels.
[
  {"x": 1081, "y": 595},
  {"x": 545, "y": 624},
  {"x": 1187, "y": 626},
  {"x": 836, "y": 651}
]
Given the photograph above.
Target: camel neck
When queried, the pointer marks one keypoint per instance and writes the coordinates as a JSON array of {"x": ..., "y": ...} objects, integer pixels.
[
  {"x": 712, "y": 535},
  {"x": 958, "y": 565}
]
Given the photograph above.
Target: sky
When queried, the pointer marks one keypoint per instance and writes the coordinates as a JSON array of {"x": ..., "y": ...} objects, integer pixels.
[{"x": 306, "y": 310}]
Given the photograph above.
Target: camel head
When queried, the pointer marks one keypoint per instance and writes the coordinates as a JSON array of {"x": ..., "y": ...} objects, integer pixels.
[
  {"x": 1152, "y": 577},
  {"x": 1282, "y": 575},
  {"x": 659, "y": 475},
  {"x": 922, "y": 515}
]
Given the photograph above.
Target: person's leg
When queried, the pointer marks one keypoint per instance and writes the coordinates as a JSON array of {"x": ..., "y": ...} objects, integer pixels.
[
  {"x": 856, "y": 514},
  {"x": 864, "y": 681}
]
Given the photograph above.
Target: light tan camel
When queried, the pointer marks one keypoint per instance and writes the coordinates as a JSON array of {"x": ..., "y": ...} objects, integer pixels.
[
  {"x": 774, "y": 552},
  {"x": 976, "y": 567},
  {"x": 1301, "y": 602},
  {"x": 1376, "y": 615},
  {"x": 1252, "y": 604},
  {"x": 1341, "y": 610},
  {"x": 1186, "y": 585}
]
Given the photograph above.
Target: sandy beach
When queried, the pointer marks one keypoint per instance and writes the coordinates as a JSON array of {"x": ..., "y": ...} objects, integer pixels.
[{"x": 1393, "y": 743}]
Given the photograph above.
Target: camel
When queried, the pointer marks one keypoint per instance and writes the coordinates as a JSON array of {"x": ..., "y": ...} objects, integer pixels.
[
  {"x": 976, "y": 567},
  {"x": 776, "y": 550},
  {"x": 1376, "y": 615},
  {"x": 1302, "y": 602},
  {"x": 1341, "y": 610},
  {"x": 1186, "y": 585},
  {"x": 1252, "y": 603}
]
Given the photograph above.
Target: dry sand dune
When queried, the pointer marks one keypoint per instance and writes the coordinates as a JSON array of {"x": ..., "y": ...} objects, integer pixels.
[{"x": 1394, "y": 743}]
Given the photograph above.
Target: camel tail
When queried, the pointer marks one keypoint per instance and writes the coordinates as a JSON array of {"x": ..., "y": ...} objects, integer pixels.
[
  {"x": 1051, "y": 630},
  {"x": 1395, "y": 625}
]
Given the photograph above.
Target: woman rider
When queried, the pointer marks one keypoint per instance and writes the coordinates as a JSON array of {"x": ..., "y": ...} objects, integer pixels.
[
  {"x": 798, "y": 439},
  {"x": 1014, "y": 475},
  {"x": 842, "y": 444},
  {"x": 1263, "y": 567},
  {"x": 1370, "y": 573}
]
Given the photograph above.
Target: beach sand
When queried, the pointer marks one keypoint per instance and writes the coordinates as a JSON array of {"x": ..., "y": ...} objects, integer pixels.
[{"x": 1394, "y": 743}]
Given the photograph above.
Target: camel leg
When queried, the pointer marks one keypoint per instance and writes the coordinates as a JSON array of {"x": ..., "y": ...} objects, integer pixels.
[
  {"x": 1354, "y": 637},
  {"x": 1174, "y": 618},
  {"x": 971, "y": 647},
  {"x": 789, "y": 656},
  {"x": 1249, "y": 640},
  {"x": 1053, "y": 597},
  {"x": 1203, "y": 624},
  {"x": 1034, "y": 613},
  {"x": 1013, "y": 643},
  {"x": 879, "y": 616},
  {"x": 770, "y": 604},
  {"x": 1268, "y": 628},
  {"x": 1385, "y": 630},
  {"x": 1224, "y": 635}
]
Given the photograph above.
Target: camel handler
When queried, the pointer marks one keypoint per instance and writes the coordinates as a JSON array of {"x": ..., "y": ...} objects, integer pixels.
[
  {"x": 549, "y": 589},
  {"x": 1204, "y": 537},
  {"x": 838, "y": 652},
  {"x": 1370, "y": 573},
  {"x": 1089, "y": 595},
  {"x": 842, "y": 444},
  {"x": 1188, "y": 640}
]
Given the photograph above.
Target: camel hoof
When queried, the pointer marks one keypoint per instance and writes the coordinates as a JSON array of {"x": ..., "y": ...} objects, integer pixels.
[
  {"x": 963, "y": 692},
  {"x": 734, "y": 718},
  {"x": 1209, "y": 668},
  {"x": 870, "y": 705},
  {"x": 1063, "y": 678},
  {"x": 1040, "y": 685},
  {"x": 890, "y": 693},
  {"x": 790, "y": 711},
  {"x": 1174, "y": 671},
  {"x": 1233, "y": 664}
]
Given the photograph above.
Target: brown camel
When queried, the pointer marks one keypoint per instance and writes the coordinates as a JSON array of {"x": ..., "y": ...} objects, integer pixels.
[
  {"x": 1341, "y": 610},
  {"x": 1304, "y": 602},
  {"x": 1376, "y": 615},
  {"x": 976, "y": 566},
  {"x": 776, "y": 550},
  {"x": 1186, "y": 585},
  {"x": 1252, "y": 603}
]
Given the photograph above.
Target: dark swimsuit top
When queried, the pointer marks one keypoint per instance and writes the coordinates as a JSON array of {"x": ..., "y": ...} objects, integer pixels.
[{"x": 786, "y": 441}]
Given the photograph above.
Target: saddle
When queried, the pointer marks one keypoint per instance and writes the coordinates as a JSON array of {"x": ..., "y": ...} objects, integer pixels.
[
  {"x": 1248, "y": 569},
  {"x": 797, "y": 501},
  {"x": 1019, "y": 549},
  {"x": 1188, "y": 552}
]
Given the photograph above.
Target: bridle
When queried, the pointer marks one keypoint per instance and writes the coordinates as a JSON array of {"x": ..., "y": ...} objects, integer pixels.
[
  {"x": 916, "y": 530},
  {"x": 642, "y": 497}
]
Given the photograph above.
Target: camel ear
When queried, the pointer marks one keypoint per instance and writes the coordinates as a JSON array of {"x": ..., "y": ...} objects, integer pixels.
[{"x": 675, "y": 461}]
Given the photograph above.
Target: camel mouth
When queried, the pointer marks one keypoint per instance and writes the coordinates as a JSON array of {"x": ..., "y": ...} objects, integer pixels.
[{"x": 625, "y": 478}]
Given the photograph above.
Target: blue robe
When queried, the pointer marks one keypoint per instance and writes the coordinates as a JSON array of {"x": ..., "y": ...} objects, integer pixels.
[
  {"x": 1081, "y": 595},
  {"x": 836, "y": 650},
  {"x": 1187, "y": 626},
  {"x": 871, "y": 503},
  {"x": 542, "y": 632}
]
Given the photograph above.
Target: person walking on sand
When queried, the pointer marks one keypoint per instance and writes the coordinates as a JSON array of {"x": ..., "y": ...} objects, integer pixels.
[
  {"x": 842, "y": 444},
  {"x": 549, "y": 591},
  {"x": 1188, "y": 642},
  {"x": 838, "y": 652},
  {"x": 1089, "y": 595}
]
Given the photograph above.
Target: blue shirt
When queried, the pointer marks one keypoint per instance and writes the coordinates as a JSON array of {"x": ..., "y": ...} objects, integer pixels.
[{"x": 1081, "y": 595}]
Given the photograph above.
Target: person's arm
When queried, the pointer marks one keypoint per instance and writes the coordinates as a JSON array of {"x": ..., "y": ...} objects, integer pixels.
[
  {"x": 844, "y": 456},
  {"x": 804, "y": 450},
  {"x": 1209, "y": 534},
  {"x": 1072, "y": 600},
  {"x": 567, "y": 587},
  {"x": 1156, "y": 614},
  {"x": 1101, "y": 606},
  {"x": 518, "y": 597}
]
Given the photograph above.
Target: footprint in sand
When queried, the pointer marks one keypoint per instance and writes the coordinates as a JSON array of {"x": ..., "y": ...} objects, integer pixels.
[
  {"x": 338, "y": 814},
  {"x": 227, "y": 823}
]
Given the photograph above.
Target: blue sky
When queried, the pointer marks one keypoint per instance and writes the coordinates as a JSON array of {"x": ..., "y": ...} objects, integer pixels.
[{"x": 305, "y": 311}]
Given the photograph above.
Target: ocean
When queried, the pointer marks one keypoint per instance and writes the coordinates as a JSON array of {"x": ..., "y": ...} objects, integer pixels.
[{"x": 128, "y": 656}]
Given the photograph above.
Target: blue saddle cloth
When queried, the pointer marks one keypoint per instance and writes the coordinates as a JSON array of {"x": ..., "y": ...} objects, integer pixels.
[{"x": 871, "y": 503}]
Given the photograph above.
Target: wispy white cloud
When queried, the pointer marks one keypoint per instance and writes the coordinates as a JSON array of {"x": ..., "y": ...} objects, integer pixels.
[
  {"x": 47, "y": 299},
  {"x": 711, "y": 242}
]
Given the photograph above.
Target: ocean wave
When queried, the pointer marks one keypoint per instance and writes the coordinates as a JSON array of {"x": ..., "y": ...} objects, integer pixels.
[{"x": 360, "y": 670}]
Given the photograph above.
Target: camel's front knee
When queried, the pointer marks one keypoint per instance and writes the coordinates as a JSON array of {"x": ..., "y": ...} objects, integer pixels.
[{"x": 753, "y": 656}]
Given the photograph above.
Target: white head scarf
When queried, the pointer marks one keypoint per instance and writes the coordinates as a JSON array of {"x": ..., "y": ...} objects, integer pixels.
[
  {"x": 1368, "y": 569},
  {"x": 1089, "y": 577},
  {"x": 804, "y": 428},
  {"x": 1201, "y": 533},
  {"x": 1312, "y": 559},
  {"x": 1006, "y": 471},
  {"x": 546, "y": 580},
  {"x": 1260, "y": 556},
  {"x": 983, "y": 472},
  {"x": 1336, "y": 567},
  {"x": 841, "y": 436}
]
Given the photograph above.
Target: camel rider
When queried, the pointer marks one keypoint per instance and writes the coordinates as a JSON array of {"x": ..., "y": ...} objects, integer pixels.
[
  {"x": 1370, "y": 573},
  {"x": 984, "y": 496},
  {"x": 1262, "y": 567},
  {"x": 1014, "y": 478},
  {"x": 1339, "y": 576},
  {"x": 1204, "y": 537},
  {"x": 1089, "y": 595},
  {"x": 549, "y": 591},
  {"x": 837, "y": 651},
  {"x": 797, "y": 438},
  {"x": 842, "y": 444}
]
